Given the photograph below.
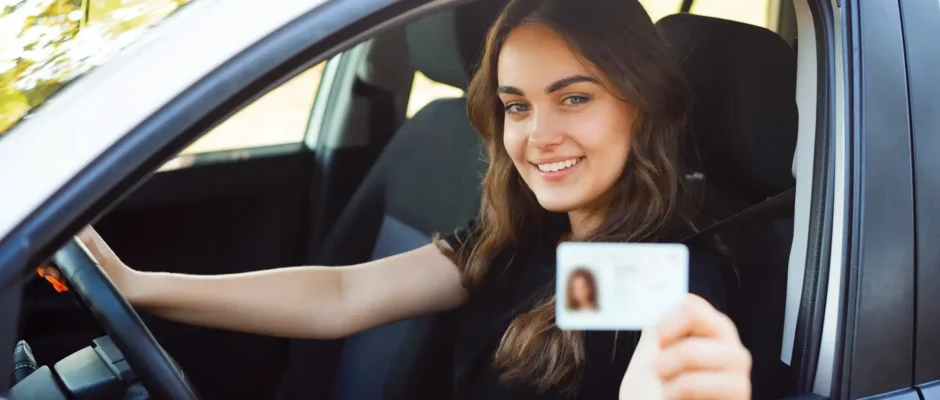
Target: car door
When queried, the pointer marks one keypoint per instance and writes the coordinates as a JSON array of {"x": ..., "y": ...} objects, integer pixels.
[{"x": 243, "y": 197}]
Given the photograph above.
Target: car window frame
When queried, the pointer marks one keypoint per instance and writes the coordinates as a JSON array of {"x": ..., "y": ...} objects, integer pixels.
[{"x": 821, "y": 237}]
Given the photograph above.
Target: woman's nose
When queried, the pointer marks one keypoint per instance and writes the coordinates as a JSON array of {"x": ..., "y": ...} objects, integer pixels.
[{"x": 543, "y": 134}]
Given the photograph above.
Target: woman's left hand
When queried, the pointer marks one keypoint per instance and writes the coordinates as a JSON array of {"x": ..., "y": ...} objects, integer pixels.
[
  {"x": 694, "y": 353},
  {"x": 701, "y": 355}
]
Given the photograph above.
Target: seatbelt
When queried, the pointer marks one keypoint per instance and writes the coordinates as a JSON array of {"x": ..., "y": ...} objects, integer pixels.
[{"x": 775, "y": 207}]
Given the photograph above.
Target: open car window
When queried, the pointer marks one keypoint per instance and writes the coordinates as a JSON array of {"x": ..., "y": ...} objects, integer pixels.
[{"x": 46, "y": 44}]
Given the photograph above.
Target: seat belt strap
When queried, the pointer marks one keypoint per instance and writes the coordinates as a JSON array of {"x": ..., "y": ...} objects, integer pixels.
[{"x": 775, "y": 207}]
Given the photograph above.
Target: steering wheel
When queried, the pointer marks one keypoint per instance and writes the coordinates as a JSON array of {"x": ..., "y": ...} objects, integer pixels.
[{"x": 156, "y": 370}]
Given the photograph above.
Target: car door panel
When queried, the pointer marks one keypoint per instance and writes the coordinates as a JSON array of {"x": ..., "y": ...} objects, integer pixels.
[
  {"x": 920, "y": 18},
  {"x": 877, "y": 354}
]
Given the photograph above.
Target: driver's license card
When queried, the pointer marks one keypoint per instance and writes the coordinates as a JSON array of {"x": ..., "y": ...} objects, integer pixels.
[{"x": 618, "y": 286}]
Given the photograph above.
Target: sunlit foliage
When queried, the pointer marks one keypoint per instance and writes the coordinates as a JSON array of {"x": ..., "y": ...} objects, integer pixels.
[{"x": 45, "y": 44}]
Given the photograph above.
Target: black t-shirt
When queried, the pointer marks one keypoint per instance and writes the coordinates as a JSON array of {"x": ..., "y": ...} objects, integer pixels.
[{"x": 519, "y": 279}]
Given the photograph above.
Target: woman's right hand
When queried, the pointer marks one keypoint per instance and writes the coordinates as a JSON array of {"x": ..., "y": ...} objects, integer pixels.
[{"x": 116, "y": 270}]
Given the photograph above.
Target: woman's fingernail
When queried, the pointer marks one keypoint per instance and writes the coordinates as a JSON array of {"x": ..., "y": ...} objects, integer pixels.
[{"x": 42, "y": 274}]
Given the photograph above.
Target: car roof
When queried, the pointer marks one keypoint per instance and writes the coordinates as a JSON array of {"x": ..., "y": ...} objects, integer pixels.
[{"x": 45, "y": 150}]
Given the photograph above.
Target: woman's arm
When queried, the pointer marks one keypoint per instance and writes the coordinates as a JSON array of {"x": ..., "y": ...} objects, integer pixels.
[{"x": 302, "y": 302}]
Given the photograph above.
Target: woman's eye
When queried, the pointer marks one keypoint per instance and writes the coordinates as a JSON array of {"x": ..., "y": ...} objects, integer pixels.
[
  {"x": 576, "y": 100},
  {"x": 515, "y": 108}
]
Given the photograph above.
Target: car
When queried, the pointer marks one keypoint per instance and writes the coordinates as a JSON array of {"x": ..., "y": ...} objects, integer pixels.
[{"x": 801, "y": 147}]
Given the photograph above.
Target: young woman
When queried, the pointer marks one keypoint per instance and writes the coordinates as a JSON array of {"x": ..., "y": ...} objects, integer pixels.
[
  {"x": 580, "y": 108},
  {"x": 581, "y": 292}
]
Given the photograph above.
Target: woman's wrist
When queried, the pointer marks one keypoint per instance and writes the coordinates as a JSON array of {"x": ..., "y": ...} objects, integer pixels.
[{"x": 132, "y": 284}]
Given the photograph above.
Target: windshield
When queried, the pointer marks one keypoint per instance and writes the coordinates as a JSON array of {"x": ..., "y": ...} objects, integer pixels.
[{"x": 45, "y": 44}]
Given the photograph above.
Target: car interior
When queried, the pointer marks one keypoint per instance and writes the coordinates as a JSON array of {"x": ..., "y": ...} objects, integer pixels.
[{"x": 373, "y": 181}]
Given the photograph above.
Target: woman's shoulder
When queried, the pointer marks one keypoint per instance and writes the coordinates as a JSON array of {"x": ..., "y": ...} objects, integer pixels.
[{"x": 461, "y": 239}]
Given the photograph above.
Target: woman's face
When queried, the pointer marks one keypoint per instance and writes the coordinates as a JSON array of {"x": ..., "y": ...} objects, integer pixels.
[
  {"x": 568, "y": 137},
  {"x": 581, "y": 290}
]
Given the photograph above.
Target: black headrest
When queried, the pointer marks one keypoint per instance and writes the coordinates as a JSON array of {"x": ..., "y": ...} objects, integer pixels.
[
  {"x": 444, "y": 46},
  {"x": 744, "y": 121}
]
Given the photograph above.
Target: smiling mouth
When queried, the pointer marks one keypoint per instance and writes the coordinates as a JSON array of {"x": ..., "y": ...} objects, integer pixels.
[{"x": 559, "y": 165}]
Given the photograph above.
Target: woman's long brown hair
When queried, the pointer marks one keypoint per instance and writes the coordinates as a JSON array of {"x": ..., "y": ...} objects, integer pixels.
[{"x": 617, "y": 40}]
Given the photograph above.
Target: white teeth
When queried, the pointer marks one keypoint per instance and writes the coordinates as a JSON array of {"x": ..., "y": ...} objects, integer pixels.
[{"x": 557, "y": 166}]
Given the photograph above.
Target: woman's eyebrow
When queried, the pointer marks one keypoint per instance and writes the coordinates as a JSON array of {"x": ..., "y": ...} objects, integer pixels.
[
  {"x": 571, "y": 80},
  {"x": 554, "y": 87},
  {"x": 509, "y": 90}
]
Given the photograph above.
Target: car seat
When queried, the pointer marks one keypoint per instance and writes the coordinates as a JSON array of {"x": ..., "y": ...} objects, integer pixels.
[{"x": 742, "y": 139}]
